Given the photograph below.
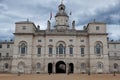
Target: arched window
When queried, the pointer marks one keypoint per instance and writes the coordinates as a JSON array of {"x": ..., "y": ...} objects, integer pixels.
[
  {"x": 60, "y": 48},
  {"x": 23, "y": 48},
  {"x": 6, "y": 66},
  {"x": 98, "y": 48}
]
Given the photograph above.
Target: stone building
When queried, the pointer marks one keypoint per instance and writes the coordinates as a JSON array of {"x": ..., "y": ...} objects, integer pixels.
[
  {"x": 6, "y": 54},
  {"x": 61, "y": 49}
]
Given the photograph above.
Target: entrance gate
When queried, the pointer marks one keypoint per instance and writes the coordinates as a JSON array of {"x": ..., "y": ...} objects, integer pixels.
[{"x": 60, "y": 67}]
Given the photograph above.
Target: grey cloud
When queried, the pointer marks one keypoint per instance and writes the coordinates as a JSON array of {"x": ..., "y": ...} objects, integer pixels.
[
  {"x": 6, "y": 34},
  {"x": 104, "y": 15},
  {"x": 38, "y": 11}
]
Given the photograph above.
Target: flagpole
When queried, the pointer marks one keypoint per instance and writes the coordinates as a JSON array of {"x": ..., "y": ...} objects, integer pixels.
[
  {"x": 51, "y": 15},
  {"x": 70, "y": 19}
]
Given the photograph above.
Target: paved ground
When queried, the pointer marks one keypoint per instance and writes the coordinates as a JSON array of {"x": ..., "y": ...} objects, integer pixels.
[{"x": 59, "y": 77}]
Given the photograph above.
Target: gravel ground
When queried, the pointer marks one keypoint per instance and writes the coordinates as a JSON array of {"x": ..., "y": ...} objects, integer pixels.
[{"x": 59, "y": 77}]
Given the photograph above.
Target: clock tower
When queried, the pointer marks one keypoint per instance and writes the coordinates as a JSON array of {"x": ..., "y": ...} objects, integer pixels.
[{"x": 62, "y": 19}]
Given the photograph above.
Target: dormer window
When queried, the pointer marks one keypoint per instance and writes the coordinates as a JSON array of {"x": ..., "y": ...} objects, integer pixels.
[
  {"x": 97, "y": 28},
  {"x": 24, "y": 27}
]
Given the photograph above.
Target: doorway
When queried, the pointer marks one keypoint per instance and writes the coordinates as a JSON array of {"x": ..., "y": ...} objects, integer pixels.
[
  {"x": 60, "y": 67},
  {"x": 71, "y": 68},
  {"x": 50, "y": 68}
]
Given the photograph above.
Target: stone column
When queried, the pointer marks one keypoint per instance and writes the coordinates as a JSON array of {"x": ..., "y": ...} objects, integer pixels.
[
  {"x": 67, "y": 67},
  {"x": 53, "y": 67}
]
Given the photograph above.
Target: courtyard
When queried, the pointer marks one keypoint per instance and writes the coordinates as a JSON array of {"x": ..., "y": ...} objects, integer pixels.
[{"x": 59, "y": 77}]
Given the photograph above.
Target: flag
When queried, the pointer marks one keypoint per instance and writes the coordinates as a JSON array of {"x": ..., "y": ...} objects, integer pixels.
[{"x": 50, "y": 15}]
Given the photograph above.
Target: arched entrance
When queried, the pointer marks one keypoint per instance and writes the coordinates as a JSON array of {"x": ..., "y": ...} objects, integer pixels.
[
  {"x": 71, "y": 68},
  {"x": 50, "y": 69},
  {"x": 60, "y": 67}
]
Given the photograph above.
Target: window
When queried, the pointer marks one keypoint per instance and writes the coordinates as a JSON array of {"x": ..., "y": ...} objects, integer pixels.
[
  {"x": 56, "y": 50},
  {"x": 82, "y": 51},
  {"x": 83, "y": 66},
  {"x": 0, "y": 55},
  {"x": 71, "y": 50},
  {"x": 98, "y": 49},
  {"x": 100, "y": 65},
  {"x": 97, "y": 28},
  {"x": 39, "y": 40},
  {"x": 6, "y": 65},
  {"x": 50, "y": 50},
  {"x": 8, "y": 45},
  {"x": 50, "y": 40},
  {"x": 81, "y": 40},
  {"x": 23, "y": 48},
  {"x": 61, "y": 49},
  {"x": 0, "y": 45},
  {"x": 24, "y": 27},
  {"x": 7, "y": 54},
  {"x": 39, "y": 51},
  {"x": 115, "y": 66},
  {"x": 71, "y": 40}
]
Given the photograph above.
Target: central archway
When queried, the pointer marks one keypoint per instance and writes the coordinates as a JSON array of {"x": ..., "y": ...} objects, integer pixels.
[{"x": 60, "y": 67}]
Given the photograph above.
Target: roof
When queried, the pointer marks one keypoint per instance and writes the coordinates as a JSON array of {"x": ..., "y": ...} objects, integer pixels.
[
  {"x": 24, "y": 22},
  {"x": 97, "y": 23},
  {"x": 7, "y": 42},
  {"x": 94, "y": 23}
]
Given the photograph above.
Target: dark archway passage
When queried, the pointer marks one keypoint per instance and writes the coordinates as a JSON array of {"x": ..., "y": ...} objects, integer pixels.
[
  {"x": 71, "y": 68},
  {"x": 60, "y": 67},
  {"x": 50, "y": 68}
]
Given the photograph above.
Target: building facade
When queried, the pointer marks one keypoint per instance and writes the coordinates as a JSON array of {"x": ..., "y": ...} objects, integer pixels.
[{"x": 61, "y": 49}]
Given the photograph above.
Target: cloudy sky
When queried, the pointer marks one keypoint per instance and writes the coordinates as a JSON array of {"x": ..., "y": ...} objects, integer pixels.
[{"x": 38, "y": 11}]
